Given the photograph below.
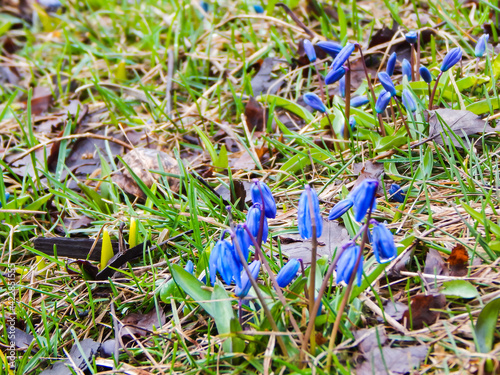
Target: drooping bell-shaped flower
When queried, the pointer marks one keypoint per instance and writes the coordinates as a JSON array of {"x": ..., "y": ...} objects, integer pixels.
[
  {"x": 386, "y": 81},
  {"x": 425, "y": 74},
  {"x": 222, "y": 259},
  {"x": 391, "y": 63},
  {"x": 253, "y": 221},
  {"x": 262, "y": 194},
  {"x": 347, "y": 262},
  {"x": 331, "y": 48},
  {"x": 340, "y": 209},
  {"x": 304, "y": 218},
  {"x": 334, "y": 75},
  {"x": 396, "y": 193},
  {"x": 342, "y": 86},
  {"x": 287, "y": 273},
  {"x": 342, "y": 56},
  {"x": 406, "y": 67},
  {"x": 451, "y": 58},
  {"x": 358, "y": 101},
  {"x": 383, "y": 244},
  {"x": 411, "y": 37},
  {"x": 309, "y": 49},
  {"x": 408, "y": 101},
  {"x": 481, "y": 45},
  {"x": 245, "y": 280},
  {"x": 243, "y": 240},
  {"x": 314, "y": 101},
  {"x": 363, "y": 198},
  {"x": 382, "y": 101}
]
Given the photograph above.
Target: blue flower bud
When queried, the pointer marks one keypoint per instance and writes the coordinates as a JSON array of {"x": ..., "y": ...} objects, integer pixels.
[
  {"x": 204, "y": 6},
  {"x": 343, "y": 55},
  {"x": 346, "y": 264},
  {"x": 453, "y": 57},
  {"x": 269, "y": 203},
  {"x": 426, "y": 74},
  {"x": 411, "y": 37},
  {"x": 406, "y": 67},
  {"x": 358, "y": 101},
  {"x": 331, "y": 48},
  {"x": 409, "y": 101},
  {"x": 50, "y": 5},
  {"x": 253, "y": 221},
  {"x": 243, "y": 240},
  {"x": 310, "y": 52},
  {"x": 386, "y": 81},
  {"x": 258, "y": 8},
  {"x": 304, "y": 214},
  {"x": 189, "y": 266},
  {"x": 383, "y": 244},
  {"x": 342, "y": 86},
  {"x": 352, "y": 122},
  {"x": 222, "y": 259},
  {"x": 382, "y": 101},
  {"x": 334, "y": 75},
  {"x": 314, "y": 101},
  {"x": 287, "y": 273},
  {"x": 391, "y": 64},
  {"x": 481, "y": 45},
  {"x": 7, "y": 196},
  {"x": 245, "y": 280},
  {"x": 396, "y": 193},
  {"x": 363, "y": 198},
  {"x": 340, "y": 208}
]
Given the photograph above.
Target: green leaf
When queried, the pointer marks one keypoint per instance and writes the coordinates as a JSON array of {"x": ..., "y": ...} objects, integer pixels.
[
  {"x": 223, "y": 316},
  {"x": 486, "y": 325},
  {"x": 288, "y": 105},
  {"x": 192, "y": 286},
  {"x": 208, "y": 144},
  {"x": 483, "y": 106},
  {"x": 459, "y": 288},
  {"x": 34, "y": 206},
  {"x": 495, "y": 228},
  {"x": 95, "y": 197},
  {"x": 390, "y": 142},
  {"x": 300, "y": 161}
]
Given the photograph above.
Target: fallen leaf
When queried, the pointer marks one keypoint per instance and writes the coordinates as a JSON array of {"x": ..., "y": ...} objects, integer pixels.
[
  {"x": 423, "y": 310},
  {"x": 142, "y": 324},
  {"x": 462, "y": 123},
  {"x": 108, "y": 348},
  {"x": 80, "y": 359},
  {"x": 333, "y": 237},
  {"x": 458, "y": 261},
  {"x": 141, "y": 161},
  {"x": 255, "y": 115},
  {"x": 241, "y": 191},
  {"x": 41, "y": 100},
  {"x": 369, "y": 170},
  {"x": 241, "y": 160},
  {"x": 435, "y": 264},
  {"x": 387, "y": 360},
  {"x": 22, "y": 339},
  {"x": 459, "y": 288},
  {"x": 374, "y": 337},
  {"x": 262, "y": 81},
  {"x": 395, "y": 310}
]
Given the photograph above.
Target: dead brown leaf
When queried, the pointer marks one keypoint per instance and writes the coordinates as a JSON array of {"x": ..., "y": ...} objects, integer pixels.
[
  {"x": 142, "y": 324},
  {"x": 262, "y": 83},
  {"x": 387, "y": 360},
  {"x": 435, "y": 264},
  {"x": 373, "y": 338},
  {"x": 423, "y": 310},
  {"x": 458, "y": 261},
  {"x": 41, "y": 100},
  {"x": 255, "y": 115}
]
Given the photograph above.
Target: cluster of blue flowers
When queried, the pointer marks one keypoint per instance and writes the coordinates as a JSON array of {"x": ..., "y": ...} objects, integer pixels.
[{"x": 225, "y": 258}]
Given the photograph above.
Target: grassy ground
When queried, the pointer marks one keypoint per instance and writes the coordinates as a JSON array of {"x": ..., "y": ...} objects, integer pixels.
[{"x": 177, "y": 77}]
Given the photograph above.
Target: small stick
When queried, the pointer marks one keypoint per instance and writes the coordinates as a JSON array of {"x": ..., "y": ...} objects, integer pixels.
[
  {"x": 347, "y": 99},
  {"x": 312, "y": 274},
  {"x": 418, "y": 57},
  {"x": 402, "y": 117},
  {"x": 431, "y": 99}
]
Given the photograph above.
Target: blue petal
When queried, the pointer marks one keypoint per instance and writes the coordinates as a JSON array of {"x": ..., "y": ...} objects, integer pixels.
[
  {"x": 270, "y": 208},
  {"x": 314, "y": 101},
  {"x": 382, "y": 101},
  {"x": 245, "y": 280},
  {"x": 391, "y": 64},
  {"x": 453, "y": 57},
  {"x": 386, "y": 81},
  {"x": 406, "y": 67},
  {"x": 340, "y": 209},
  {"x": 288, "y": 273},
  {"x": 425, "y": 74},
  {"x": 309, "y": 49}
]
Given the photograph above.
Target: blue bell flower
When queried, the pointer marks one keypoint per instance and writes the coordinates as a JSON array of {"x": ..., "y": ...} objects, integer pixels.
[
  {"x": 304, "y": 219},
  {"x": 189, "y": 266},
  {"x": 245, "y": 280},
  {"x": 346, "y": 263},
  {"x": 481, "y": 45},
  {"x": 270, "y": 208},
  {"x": 408, "y": 101},
  {"x": 222, "y": 259},
  {"x": 352, "y": 122},
  {"x": 425, "y": 74},
  {"x": 342, "y": 86},
  {"x": 396, "y": 193},
  {"x": 253, "y": 222},
  {"x": 451, "y": 58},
  {"x": 383, "y": 244},
  {"x": 287, "y": 273},
  {"x": 331, "y": 48},
  {"x": 386, "y": 81},
  {"x": 343, "y": 55},
  {"x": 411, "y": 37},
  {"x": 382, "y": 101},
  {"x": 7, "y": 196},
  {"x": 243, "y": 240},
  {"x": 363, "y": 198},
  {"x": 314, "y": 101},
  {"x": 391, "y": 63},
  {"x": 406, "y": 67},
  {"x": 204, "y": 6},
  {"x": 309, "y": 49},
  {"x": 358, "y": 101},
  {"x": 334, "y": 75},
  {"x": 340, "y": 209},
  {"x": 258, "y": 8}
]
